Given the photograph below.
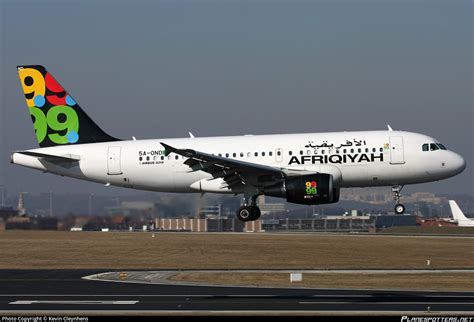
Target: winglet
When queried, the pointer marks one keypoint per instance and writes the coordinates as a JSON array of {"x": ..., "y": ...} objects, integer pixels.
[
  {"x": 389, "y": 127},
  {"x": 168, "y": 148}
]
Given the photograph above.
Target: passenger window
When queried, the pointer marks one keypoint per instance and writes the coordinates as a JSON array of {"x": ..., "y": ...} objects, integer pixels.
[
  {"x": 256, "y": 154},
  {"x": 381, "y": 149},
  {"x": 162, "y": 157},
  {"x": 345, "y": 151},
  {"x": 290, "y": 152},
  {"x": 433, "y": 147},
  {"x": 278, "y": 153},
  {"x": 425, "y": 147},
  {"x": 337, "y": 151},
  {"x": 241, "y": 154},
  {"x": 373, "y": 150},
  {"x": 263, "y": 154},
  {"x": 270, "y": 153},
  {"x": 249, "y": 154},
  {"x": 366, "y": 150},
  {"x": 176, "y": 157},
  {"x": 352, "y": 150},
  {"x": 227, "y": 155},
  {"x": 234, "y": 154},
  {"x": 322, "y": 151},
  {"x": 220, "y": 154},
  {"x": 359, "y": 150}
]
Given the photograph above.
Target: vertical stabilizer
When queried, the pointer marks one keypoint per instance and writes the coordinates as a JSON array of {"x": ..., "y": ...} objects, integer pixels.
[
  {"x": 459, "y": 216},
  {"x": 57, "y": 117}
]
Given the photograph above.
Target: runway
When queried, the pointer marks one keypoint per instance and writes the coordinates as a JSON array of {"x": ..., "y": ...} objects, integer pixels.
[{"x": 64, "y": 290}]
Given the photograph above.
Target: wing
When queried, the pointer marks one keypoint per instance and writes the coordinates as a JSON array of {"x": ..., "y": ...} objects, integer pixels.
[{"x": 235, "y": 173}]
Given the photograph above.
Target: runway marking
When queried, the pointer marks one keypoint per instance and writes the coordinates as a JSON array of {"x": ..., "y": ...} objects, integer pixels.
[
  {"x": 229, "y": 295},
  {"x": 394, "y": 303},
  {"x": 141, "y": 295},
  {"x": 76, "y": 302}
]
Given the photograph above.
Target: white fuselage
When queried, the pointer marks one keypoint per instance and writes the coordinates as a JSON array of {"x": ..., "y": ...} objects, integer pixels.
[{"x": 355, "y": 159}]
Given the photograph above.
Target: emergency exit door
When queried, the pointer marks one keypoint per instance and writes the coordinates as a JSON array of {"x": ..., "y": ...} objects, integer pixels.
[
  {"x": 113, "y": 160},
  {"x": 397, "y": 155}
]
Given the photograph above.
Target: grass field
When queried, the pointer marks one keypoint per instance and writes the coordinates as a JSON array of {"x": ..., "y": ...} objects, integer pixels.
[
  {"x": 429, "y": 230},
  {"x": 438, "y": 281},
  {"x": 42, "y": 249}
]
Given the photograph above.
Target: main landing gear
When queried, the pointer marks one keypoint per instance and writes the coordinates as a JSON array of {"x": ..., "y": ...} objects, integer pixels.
[
  {"x": 399, "y": 208},
  {"x": 249, "y": 211}
]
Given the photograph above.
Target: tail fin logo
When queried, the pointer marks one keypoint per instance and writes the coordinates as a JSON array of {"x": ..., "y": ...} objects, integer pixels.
[{"x": 51, "y": 107}]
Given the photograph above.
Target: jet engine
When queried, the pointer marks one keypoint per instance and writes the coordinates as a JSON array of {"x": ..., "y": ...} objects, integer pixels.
[{"x": 311, "y": 189}]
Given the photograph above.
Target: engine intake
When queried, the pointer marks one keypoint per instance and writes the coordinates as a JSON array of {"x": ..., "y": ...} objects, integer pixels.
[{"x": 308, "y": 190}]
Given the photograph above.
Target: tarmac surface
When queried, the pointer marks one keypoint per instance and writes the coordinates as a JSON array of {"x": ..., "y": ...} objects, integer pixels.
[{"x": 29, "y": 291}]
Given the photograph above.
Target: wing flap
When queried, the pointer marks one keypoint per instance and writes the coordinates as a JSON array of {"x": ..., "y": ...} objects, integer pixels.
[{"x": 235, "y": 173}]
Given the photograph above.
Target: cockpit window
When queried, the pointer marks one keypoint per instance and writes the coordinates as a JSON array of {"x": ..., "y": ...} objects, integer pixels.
[{"x": 432, "y": 147}]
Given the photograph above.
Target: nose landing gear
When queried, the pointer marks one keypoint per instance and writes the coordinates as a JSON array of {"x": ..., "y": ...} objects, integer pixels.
[
  {"x": 399, "y": 208},
  {"x": 249, "y": 211}
]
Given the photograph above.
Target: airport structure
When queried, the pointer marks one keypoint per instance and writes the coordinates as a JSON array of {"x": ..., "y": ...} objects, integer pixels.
[
  {"x": 141, "y": 215},
  {"x": 18, "y": 218},
  {"x": 368, "y": 223}
]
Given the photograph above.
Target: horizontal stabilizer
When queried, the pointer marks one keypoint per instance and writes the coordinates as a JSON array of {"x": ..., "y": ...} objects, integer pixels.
[{"x": 52, "y": 158}]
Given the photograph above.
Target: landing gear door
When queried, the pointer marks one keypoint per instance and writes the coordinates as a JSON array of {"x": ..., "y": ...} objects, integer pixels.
[
  {"x": 113, "y": 160},
  {"x": 397, "y": 155}
]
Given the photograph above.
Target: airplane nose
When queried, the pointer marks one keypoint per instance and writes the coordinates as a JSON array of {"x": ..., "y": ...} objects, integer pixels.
[{"x": 458, "y": 163}]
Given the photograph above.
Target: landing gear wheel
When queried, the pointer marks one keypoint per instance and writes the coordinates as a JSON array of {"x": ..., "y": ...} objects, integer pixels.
[
  {"x": 255, "y": 213},
  {"x": 248, "y": 213},
  {"x": 244, "y": 213},
  {"x": 399, "y": 209}
]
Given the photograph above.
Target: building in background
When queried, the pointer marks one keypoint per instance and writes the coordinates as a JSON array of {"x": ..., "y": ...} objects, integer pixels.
[{"x": 199, "y": 224}]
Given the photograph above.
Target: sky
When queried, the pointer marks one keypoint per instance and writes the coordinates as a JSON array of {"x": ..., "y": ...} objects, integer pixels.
[{"x": 158, "y": 69}]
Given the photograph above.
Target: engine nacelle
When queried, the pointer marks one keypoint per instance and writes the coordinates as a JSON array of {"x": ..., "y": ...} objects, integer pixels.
[{"x": 308, "y": 190}]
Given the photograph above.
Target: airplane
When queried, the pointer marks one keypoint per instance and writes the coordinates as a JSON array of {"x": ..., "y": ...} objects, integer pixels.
[
  {"x": 306, "y": 168},
  {"x": 459, "y": 216}
]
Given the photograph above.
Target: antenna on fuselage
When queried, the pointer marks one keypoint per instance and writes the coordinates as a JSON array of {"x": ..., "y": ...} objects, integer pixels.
[
  {"x": 389, "y": 127},
  {"x": 191, "y": 135}
]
